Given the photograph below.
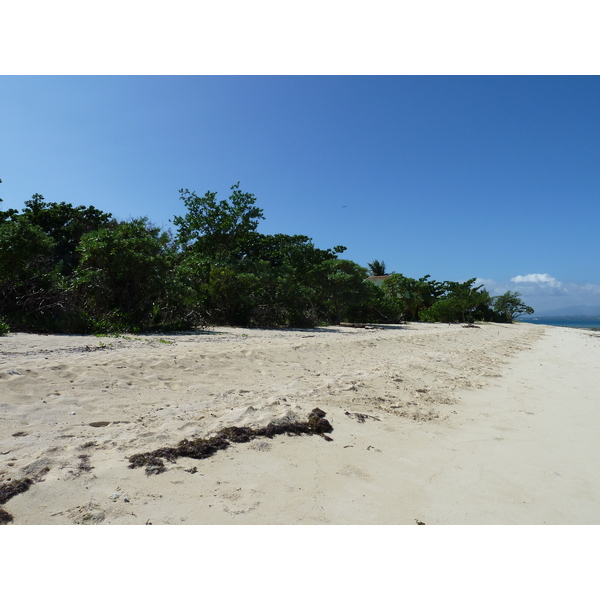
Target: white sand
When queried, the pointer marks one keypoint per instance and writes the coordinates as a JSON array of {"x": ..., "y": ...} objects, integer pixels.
[{"x": 496, "y": 424}]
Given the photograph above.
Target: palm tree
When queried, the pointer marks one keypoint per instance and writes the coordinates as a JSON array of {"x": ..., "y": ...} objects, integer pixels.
[{"x": 377, "y": 268}]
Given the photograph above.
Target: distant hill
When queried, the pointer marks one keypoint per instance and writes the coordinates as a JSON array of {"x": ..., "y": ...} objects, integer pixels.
[{"x": 570, "y": 311}]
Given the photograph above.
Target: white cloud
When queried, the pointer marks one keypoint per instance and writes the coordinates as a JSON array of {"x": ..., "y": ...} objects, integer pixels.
[
  {"x": 539, "y": 285},
  {"x": 542, "y": 279},
  {"x": 591, "y": 289},
  {"x": 544, "y": 292}
]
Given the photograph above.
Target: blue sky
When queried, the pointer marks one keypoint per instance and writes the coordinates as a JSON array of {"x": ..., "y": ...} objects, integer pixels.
[{"x": 454, "y": 176}]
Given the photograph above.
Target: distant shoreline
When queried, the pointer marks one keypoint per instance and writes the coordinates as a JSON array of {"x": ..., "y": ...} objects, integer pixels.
[{"x": 574, "y": 322}]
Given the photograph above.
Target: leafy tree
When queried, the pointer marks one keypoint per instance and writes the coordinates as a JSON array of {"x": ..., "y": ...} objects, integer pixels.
[
  {"x": 280, "y": 281},
  {"x": 244, "y": 277},
  {"x": 297, "y": 276},
  {"x": 28, "y": 281},
  {"x": 460, "y": 302},
  {"x": 509, "y": 306},
  {"x": 216, "y": 237},
  {"x": 342, "y": 285},
  {"x": 377, "y": 268},
  {"x": 219, "y": 230},
  {"x": 300, "y": 280},
  {"x": 296, "y": 251},
  {"x": 124, "y": 276},
  {"x": 65, "y": 268},
  {"x": 37, "y": 257},
  {"x": 66, "y": 225},
  {"x": 410, "y": 296}
]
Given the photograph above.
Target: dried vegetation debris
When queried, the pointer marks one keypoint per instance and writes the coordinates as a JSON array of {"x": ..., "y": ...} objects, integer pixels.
[
  {"x": 200, "y": 448},
  {"x": 7, "y": 491},
  {"x": 84, "y": 463},
  {"x": 360, "y": 417}
]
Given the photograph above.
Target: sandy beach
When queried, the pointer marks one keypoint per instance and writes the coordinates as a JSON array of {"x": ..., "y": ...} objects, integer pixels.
[{"x": 432, "y": 424}]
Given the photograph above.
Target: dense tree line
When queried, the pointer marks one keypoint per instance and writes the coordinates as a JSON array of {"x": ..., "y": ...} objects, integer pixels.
[{"x": 78, "y": 270}]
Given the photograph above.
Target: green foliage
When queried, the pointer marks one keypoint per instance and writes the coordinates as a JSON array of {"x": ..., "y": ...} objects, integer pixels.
[
  {"x": 377, "y": 268},
  {"x": 37, "y": 256},
  {"x": 459, "y": 303},
  {"x": 4, "y": 328},
  {"x": 447, "y": 302},
  {"x": 28, "y": 281},
  {"x": 24, "y": 250},
  {"x": 76, "y": 269},
  {"x": 509, "y": 306},
  {"x": 242, "y": 277},
  {"x": 65, "y": 225},
  {"x": 219, "y": 230},
  {"x": 342, "y": 284},
  {"x": 124, "y": 276},
  {"x": 292, "y": 275},
  {"x": 409, "y": 296}
]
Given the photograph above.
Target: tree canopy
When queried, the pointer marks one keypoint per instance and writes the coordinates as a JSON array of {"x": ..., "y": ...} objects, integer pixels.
[
  {"x": 78, "y": 269},
  {"x": 219, "y": 230},
  {"x": 377, "y": 268}
]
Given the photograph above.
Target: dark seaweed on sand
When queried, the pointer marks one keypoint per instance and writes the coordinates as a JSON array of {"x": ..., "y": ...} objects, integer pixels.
[
  {"x": 7, "y": 491},
  {"x": 203, "y": 448},
  {"x": 5, "y": 517}
]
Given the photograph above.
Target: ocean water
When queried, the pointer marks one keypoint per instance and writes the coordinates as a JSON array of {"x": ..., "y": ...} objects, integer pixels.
[{"x": 576, "y": 322}]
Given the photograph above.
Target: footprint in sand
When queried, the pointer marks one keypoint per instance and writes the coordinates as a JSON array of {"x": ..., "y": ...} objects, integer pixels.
[{"x": 352, "y": 471}]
